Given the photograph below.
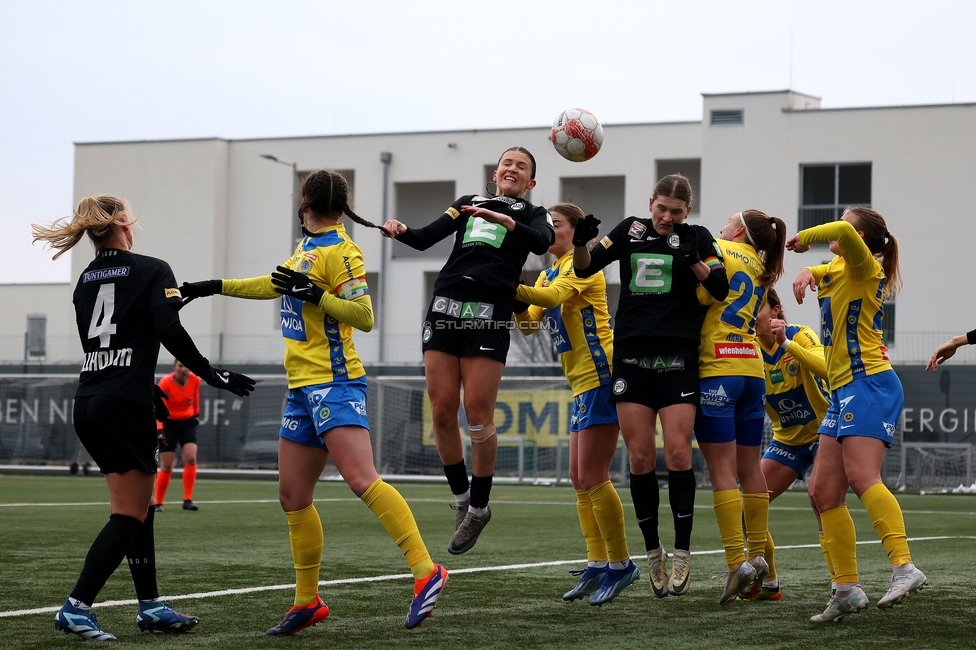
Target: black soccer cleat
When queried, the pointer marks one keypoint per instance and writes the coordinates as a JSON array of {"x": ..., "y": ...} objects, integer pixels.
[{"x": 188, "y": 505}]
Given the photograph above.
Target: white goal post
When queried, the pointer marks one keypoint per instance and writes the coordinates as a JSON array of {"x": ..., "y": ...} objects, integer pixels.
[{"x": 934, "y": 466}]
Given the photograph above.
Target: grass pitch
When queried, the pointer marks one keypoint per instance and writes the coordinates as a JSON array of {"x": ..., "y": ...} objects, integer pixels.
[{"x": 505, "y": 593}]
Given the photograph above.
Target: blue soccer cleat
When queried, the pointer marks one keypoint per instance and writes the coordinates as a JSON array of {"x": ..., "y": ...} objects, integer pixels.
[
  {"x": 300, "y": 617},
  {"x": 74, "y": 620},
  {"x": 157, "y": 616},
  {"x": 615, "y": 581},
  {"x": 425, "y": 595},
  {"x": 589, "y": 581}
]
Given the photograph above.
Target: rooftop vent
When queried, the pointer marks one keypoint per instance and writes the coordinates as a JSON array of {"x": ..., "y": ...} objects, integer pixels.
[{"x": 727, "y": 117}]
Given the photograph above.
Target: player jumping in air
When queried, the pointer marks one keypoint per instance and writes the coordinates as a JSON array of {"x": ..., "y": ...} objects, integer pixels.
[
  {"x": 655, "y": 362},
  {"x": 323, "y": 297},
  {"x": 575, "y": 311},
  {"x": 125, "y": 306},
  {"x": 866, "y": 400},
  {"x": 466, "y": 329}
]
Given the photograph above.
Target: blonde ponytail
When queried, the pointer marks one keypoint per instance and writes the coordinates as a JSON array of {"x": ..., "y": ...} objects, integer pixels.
[{"x": 95, "y": 215}]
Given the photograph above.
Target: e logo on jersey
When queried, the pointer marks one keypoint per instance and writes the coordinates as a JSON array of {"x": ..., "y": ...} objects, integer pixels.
[
  {"x": 478, "y": 230},
  {"x": 650, "y": 273}
]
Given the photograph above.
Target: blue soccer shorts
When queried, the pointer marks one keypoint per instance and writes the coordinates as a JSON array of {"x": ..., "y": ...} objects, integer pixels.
[{"x": 311, "y": 411}]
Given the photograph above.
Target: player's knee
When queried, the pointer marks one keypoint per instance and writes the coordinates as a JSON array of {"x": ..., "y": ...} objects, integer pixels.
[
  {"x": 480, "y": 432},
  {"x": 678, "y": 460}
]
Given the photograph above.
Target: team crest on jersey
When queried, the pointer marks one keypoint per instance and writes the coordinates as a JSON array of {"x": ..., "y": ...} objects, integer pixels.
[
  {"x": 674, "y": 241},
  {"x": 826, "y": 280},
  {"x": 848, "y": 417},
  {"x": 518, "y": 205},
  {"x": 305, "y": 266},
  {"x": 619, "y": 387},
  {"x": 792, "y": 368},
  {"x": 637, "y": 230},
  {"x": 428, "y": 332}
]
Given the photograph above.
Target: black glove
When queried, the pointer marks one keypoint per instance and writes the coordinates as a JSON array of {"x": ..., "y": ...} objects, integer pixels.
[
  {"x": 158, "y": 404},
  {"x": 519, "y": 306},
  {"x": 193, "y": 290},
  {"x": 587, "y": 229},
  {"x": 240, "y": 385},
  {"x": 297, "y": 285},
  {"x": 688, "y": 242}
]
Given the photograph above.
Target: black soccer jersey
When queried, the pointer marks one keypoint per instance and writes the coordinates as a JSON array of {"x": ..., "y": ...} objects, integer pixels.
[
  {"x": 484, "y": 251},
  {"x": 114, "y": 301},
  {"x": 658, "y": 311}
]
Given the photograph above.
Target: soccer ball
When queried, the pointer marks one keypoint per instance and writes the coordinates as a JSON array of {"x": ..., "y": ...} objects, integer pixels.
[{"x": 577, "y": 135}]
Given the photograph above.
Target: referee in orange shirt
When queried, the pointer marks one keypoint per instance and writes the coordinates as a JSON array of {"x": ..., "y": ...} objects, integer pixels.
[{"x": 182, "y": 390}]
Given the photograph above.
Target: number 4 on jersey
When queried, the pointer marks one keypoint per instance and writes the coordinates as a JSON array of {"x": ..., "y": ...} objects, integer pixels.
[{"x": 101, "y": 322}]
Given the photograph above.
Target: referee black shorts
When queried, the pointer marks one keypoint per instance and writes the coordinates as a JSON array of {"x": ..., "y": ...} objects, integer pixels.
[
  {"x": 119, "y": 434},
  {"x": 467, "y": 320},
  {"x": 176, "y": 433},
  {"x": 655, "y": 382}
]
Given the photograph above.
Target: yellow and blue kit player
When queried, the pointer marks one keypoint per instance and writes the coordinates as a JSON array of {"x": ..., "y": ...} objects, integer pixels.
[
  {"x": 729, "y": 423},
  {"x": 324, "y": 296},
  {"x": 796, "y": 401},
  {"x": 866, "y": 400},
  {"x": 574, "y": 312}
]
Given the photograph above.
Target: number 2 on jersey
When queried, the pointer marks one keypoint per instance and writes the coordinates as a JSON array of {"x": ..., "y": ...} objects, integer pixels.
[
  {"x": 101, "y": 322},
  {"x": 730, "y": 315}
]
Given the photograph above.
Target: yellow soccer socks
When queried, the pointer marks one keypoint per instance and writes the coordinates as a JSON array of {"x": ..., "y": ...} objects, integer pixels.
[
  {"x": 728, "y": 512},
  {"x": 396, "y": 517},
  {"x": 609, "y": 514},
  {"x": 755, "y": 510},
  {"x": 305, "y": 535},
  {"x": 889, "y": 523},
  {"x": 841, "y": 540},
  {"x": 770, "y": 555},
  {"x": 596, "y": 546},
  {"x": 826, "y": 554}
]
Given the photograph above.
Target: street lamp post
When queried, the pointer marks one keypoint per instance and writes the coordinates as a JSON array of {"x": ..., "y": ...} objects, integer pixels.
[
  {"x": 385, "y": 157},
  {"x": 294, "y": 190}
]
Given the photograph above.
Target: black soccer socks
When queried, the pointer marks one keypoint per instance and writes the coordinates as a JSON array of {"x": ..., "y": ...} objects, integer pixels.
[
  {"x": 647, "y": 498},
  {"x": 105, "y": 555},
  {"x": 681, "y": 494},
  {"x": 142, "y": 560}
]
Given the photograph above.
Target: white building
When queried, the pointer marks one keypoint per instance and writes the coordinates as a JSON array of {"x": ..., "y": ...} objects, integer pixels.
[{"x": 216, "y": 209}]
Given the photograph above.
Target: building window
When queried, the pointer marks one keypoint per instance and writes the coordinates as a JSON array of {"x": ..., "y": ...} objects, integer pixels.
[
  {"x": 602, "y": 196},
  {"x": 35, "y": 345},
  {"x": 825, "y": 190},
  {"x": 888, "y": 323},
  {"x": 690, "y": 168},
  {"x": 418, "y": 204}
]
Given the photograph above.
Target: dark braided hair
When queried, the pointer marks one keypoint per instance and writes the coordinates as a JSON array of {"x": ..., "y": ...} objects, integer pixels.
[{"x": 326, "y": 192}]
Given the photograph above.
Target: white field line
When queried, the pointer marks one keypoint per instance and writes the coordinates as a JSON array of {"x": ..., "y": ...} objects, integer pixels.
[
  {"x": 405, "y": 576},
  {"x": 497, "y": 501}
]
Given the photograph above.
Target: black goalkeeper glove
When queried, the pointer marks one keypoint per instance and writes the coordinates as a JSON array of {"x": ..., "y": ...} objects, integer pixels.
[
  {"x": 240, "y": 385},
  {"x": 586, "y": 230},
  {"x": 193, "y": 290},
  {"x": 688, "y": 242},
  {"x": 162, "y": 413},
  {"x": 294, "y": 284}
]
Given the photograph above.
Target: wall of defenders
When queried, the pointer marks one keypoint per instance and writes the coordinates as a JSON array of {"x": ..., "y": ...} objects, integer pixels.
[{"x": 700, "y": 342}]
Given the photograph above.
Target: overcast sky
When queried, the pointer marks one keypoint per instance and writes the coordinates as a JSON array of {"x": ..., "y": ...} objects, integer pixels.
[{"x": 92, "y": 70}]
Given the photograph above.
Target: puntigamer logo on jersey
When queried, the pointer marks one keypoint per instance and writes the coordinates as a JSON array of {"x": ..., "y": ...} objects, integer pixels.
[{"x": 105, "y": 274}]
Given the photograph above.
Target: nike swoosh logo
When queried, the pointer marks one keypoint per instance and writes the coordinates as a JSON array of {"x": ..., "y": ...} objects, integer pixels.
[
  {"x": 484, "y": 348},
  {"x": 684, "y": 516},
  {"x": 688, "y": 394},
  {"x": 300, "y": 289},
  {"x": 226, "y": 380},
  {"x": 847, "y": 426}
]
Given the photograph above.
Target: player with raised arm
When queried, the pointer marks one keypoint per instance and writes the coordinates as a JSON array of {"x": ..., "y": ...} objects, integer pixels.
[
  {"x": 125, "y": 306},
  {"x": 729, "y": 423},
  {"x": 945, "y": 351},
  {"x": 182, "y": 390},
  {"x": 323, "y": 297},
  {"x": 655, "y": 357},
  {"x": 466, "y": 329},
  {"x": 866, "y": 400},
  {"x": 574, "y": 310},
  {"x": 796, "y": 401}
]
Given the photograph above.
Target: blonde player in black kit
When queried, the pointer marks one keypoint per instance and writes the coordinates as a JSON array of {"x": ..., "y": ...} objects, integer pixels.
[
  {"x": 655, "y": 355},
  {"x": 125, "y": 306},
  {"x": 466, "y": 330}
]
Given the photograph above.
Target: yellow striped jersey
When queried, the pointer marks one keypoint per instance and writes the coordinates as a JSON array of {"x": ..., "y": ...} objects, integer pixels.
[
  {"x": 574, "y": 311},
  {"x": 728, "y": 336},
  {"x": 318, "y": 346},
  {"x": 796, "y": 393},
  {"x": 849, "y": 290}
]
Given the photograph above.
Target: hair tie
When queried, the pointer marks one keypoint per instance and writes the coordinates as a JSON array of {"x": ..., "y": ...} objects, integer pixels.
[
  {"x": 772, "y": 222},
  {"x": 887, "y": 235}
]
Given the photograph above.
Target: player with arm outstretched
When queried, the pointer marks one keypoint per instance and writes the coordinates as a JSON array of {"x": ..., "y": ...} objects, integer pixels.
[
  {"x": 866, "y": 400},
  {"x": 125, "y": 306},
  {"x": 729, "y": 423},
  {"x": 324, "y": 296},
  {"x": 945, "y": 351},
  {"x": 655, "y": 357},
  {"x": 574, "y": 311},
  {"x": 466, "y": 329},
  {"x": 796, "y": 401}
]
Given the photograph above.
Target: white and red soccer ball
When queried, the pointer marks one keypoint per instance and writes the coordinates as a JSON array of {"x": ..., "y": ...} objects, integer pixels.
[{"x": 577, "y": 135}]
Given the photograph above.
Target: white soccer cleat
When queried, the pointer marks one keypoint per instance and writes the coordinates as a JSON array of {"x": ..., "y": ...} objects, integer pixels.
[
  {"x": 657, "y": 563},
  {"x": 738, "y": 582},
  {"x": 680, "y": 572},
  {"x": 900, "y": 586},
  {"x": 842, "y": 603},
  {"x": 761, "y": 566}
]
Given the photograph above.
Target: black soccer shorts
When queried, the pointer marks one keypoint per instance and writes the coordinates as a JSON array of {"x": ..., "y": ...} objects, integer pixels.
[{"x": 119, "y": 434}]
